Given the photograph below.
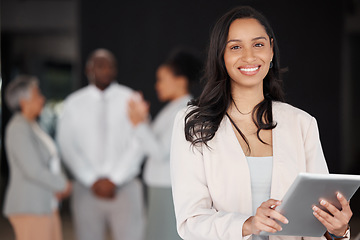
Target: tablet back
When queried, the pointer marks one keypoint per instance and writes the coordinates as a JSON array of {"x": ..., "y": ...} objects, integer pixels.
[{"x": 306, "y": 191}]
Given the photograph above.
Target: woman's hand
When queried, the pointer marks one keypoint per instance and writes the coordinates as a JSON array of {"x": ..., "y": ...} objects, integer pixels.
[
  {"x": 138, "y": 109},
  {"x": 338, "y": 223},
  {"x": 66, "y": 193},
  {"x": 264, "y": 219}
]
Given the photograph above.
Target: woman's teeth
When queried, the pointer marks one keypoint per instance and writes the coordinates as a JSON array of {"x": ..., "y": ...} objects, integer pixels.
[{"x": 249, "y": 69}]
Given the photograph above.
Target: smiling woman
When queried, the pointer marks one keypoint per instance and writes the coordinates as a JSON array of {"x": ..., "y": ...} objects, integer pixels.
[{"x": 238, "y": 147}]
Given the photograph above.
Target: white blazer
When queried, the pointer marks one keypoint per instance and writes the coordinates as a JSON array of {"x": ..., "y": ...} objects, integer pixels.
[{"x": 212, "y": 189}]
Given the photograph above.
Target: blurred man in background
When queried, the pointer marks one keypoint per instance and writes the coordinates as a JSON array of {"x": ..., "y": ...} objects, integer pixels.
[{"x": 97, "y": 144}]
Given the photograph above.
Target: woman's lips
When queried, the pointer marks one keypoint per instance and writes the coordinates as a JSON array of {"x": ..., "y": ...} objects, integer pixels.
[{"x": 249, "y": 70}]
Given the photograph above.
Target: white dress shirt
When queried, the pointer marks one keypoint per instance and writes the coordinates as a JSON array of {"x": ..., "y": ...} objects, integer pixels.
[
  {"x": 96, "y": 137},
  {"x": 155, "y": 139},
  {"x": 212, "y": 185}
]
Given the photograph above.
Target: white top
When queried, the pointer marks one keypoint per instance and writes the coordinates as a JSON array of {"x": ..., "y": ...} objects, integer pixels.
[
  {"x": 155, "y": 139},
  {"x": 212, "y": 186},
  {"x": 260, "y": 174},
  {"x": 96, "y": 137},
  {"x": 54, "y": 161}
]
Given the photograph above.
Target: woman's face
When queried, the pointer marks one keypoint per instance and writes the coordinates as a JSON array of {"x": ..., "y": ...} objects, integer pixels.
[
  {"x": 167, "y": 84},
  {"x": 248, "y": 53},
  {"x": 35, "y": 102}
]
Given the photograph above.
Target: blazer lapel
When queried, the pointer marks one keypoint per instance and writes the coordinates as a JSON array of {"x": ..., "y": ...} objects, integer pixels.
[
  {"x": 278, "y": 158},
  {"x": 242, "y": 194},
  {"x": 41, "y": 147},
  {"x": 284, "y": 170}
]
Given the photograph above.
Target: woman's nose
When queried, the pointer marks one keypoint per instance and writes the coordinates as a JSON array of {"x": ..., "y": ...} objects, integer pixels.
[{"x": 248, "y": 55}]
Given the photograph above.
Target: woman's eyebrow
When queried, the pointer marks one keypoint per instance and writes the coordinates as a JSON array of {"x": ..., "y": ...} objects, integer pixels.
[
  {"x": 239, "y": 40},
  {"x": 258, "y": 38}
]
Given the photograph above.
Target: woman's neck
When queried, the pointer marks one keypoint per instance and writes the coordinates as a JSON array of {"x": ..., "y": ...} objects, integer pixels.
[
  {"x": 28, "y": 115},
  {"x": 247, "y": 98},
  {"x": 179, "y": 95}
]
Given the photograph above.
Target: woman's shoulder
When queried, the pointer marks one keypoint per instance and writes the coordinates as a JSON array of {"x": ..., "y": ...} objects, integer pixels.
[
  {"x": 185, "y": 111},
  {"x": 282, "y": 108},
  {"x": 17, "y": 124},
  {"x": 287, "y": 115}
]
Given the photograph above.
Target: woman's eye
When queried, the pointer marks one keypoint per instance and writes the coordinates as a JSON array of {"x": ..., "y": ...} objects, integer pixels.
[
  {"x": 235, "y": 47},
  {"x": 259, "y": 45}
]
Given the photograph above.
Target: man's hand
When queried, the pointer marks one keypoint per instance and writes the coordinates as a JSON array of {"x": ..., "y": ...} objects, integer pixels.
[{"x": 104, "y": 188}]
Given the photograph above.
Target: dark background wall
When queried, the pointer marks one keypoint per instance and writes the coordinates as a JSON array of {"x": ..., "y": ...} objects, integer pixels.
[
  {"x": 310, "y": 36},
  {"x": 318, "y": 40},
  {"x": 142, "y": 33}
]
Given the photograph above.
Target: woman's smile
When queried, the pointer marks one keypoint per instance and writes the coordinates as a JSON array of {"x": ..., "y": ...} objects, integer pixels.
[{"x": 249, "y": 70}]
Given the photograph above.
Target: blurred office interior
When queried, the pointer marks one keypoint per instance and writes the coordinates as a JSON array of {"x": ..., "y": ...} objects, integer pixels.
[{"x": 319, "y": 44}]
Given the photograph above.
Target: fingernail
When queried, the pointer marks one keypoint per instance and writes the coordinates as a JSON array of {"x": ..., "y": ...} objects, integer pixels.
[
  {"x": 280, "y": 229},
  {"x": 314, "y": 208},
  {"x": 286, "y": 221},
  {"x": 322, "y": 202},
  {"x": 339, "y": 195}
]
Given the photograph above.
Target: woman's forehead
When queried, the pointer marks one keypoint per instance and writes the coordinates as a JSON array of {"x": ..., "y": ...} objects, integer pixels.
[{"x": 246, "y": 28}]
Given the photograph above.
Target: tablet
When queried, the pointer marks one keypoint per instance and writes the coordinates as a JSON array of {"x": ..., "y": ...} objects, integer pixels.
[{"x": 306, "y": 191}]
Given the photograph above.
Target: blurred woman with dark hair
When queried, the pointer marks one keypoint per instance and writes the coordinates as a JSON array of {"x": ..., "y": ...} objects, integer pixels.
[
  {"x": 36, "y": 182},
  {"x": 173, "y": 79},
  {"x": 237, "y": 149}
]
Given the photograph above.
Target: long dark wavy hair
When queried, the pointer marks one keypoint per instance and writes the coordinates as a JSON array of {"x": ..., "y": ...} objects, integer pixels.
[{"x": 203, "y": 120}]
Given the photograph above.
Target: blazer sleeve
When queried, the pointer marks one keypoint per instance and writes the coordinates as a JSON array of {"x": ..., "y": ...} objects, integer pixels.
[
  {"x": 150, "y": 144},
  {"x": 195, "y": 215},
  {"x": 157, "y": 148},
  {"x": 22, "y": 149},
  {"x": 315, "y": 160}
]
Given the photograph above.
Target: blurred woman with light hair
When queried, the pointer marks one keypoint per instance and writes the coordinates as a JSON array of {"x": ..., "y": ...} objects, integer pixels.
[{"x": 36, "y": 182}]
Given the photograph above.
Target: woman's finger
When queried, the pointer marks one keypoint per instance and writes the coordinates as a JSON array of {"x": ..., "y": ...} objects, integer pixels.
[
  {"x": 335, "y": 227},
  {"x": 324, "y": 222},
  {"x": 271, "y": 223},
  {"x": 324, "y": 215},
  {"x": 278, "y": 216},
  {"x": 331, "y": 208},
  {"x": 271, "y": 203},
  {"x": 334, "y": 224},
  {"x": 264, "y": 224},
  {"x": 344, "y": 215},
  {"x": 345, "y": 205},
  {"x": 265, "y": 229},
  {"x": 268, "y": 209}
]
